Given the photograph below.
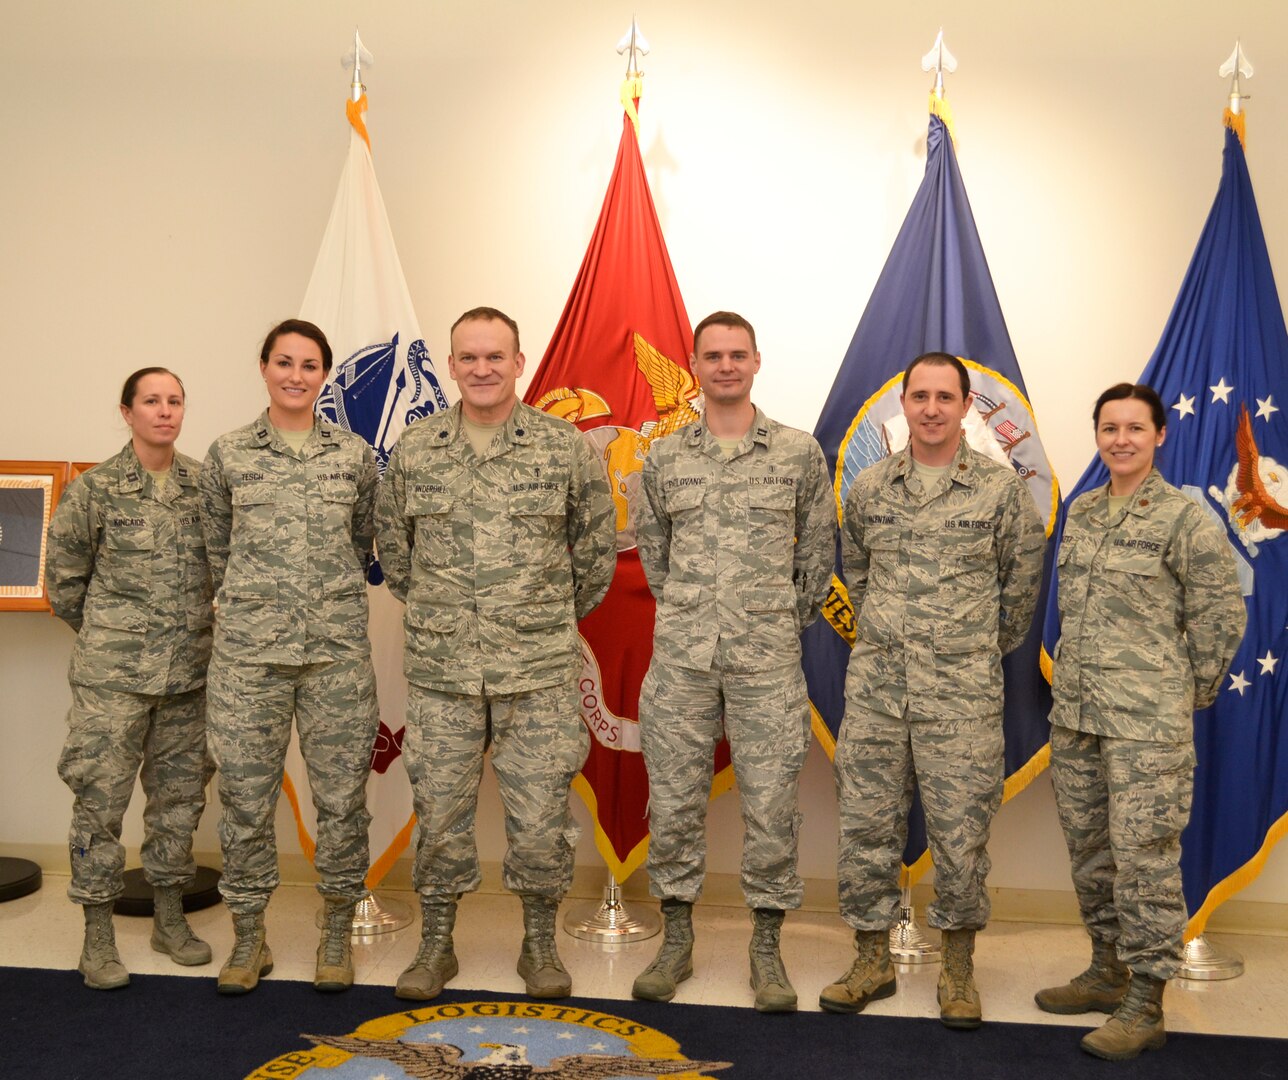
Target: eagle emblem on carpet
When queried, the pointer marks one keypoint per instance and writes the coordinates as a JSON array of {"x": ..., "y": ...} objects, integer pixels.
[{"x": 491, "y": 1040}]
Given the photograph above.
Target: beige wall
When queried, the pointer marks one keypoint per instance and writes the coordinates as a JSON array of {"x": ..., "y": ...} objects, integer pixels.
[{"x": 169, "y": 169}]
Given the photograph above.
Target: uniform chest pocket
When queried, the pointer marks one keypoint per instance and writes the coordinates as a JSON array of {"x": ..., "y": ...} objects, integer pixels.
[
  {"x": 771, "y": 517},
  {"x": 125, "y": 562},
  {"x": 432, "y": 512},
  {"x": 1138, "y": 562},
  {"x": 684, "y": 507},
  {"x": 344, "y": 492},
  {"x": 962, "y": 557},
  {"x": 538, "y": 517},
  {"x": 254, "y": 507}
]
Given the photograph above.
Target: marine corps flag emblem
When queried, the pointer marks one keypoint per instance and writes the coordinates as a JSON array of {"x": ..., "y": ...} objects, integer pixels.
[{"x": 617, "y": 367}]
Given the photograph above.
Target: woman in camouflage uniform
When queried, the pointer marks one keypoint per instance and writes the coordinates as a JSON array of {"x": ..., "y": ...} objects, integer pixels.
[
  {"x": 127, "y": 571},
  {"x": 288, "y": 507},
  {"x": 1151, "y": 615}
]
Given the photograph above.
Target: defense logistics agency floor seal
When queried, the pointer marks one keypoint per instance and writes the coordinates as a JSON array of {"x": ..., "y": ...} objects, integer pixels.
[{"x": 491, "y": 1040}]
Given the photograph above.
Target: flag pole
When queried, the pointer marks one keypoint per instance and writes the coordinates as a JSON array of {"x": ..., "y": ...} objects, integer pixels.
[
  {"x": 908, "y": 942},
  {"x": 372, "y": 916},
  {"x": 1202, "y": 960},
  {"x": 613, "y": 920}
]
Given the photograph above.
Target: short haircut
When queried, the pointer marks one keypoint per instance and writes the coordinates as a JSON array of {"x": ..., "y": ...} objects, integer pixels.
[
  {"x": 131, "y": 388},
  {"x": 1140, "y": 392},
  {"x": 730, "y": 319},
  {"x": 940, "y": 359},
  {"x": 304, "y": 329},
  {"x": 487, "y": 314}
]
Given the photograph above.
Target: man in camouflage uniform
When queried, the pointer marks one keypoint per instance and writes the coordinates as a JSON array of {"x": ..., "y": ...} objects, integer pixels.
[
  {"x": 942, "y": 554},
  {"x": 498, "y": 532},
  {"x": 127, "y": 570},
  {"x": 290, "y": 529},
  {"x": 736, "y": 534},
  {"x": 1151, "y": 617}
]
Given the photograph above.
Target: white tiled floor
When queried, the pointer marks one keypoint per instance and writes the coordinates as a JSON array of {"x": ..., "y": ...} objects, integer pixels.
[{"x": 1012, "y": 959}]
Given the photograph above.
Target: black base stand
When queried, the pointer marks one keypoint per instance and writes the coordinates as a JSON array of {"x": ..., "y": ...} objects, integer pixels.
[
  {"x": 202, "y": 892},
  {"x": 18, "y": 877}
]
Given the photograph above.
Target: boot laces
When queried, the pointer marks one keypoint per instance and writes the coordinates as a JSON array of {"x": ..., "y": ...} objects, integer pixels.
[
  {"x": 336, "y": 938},
  {"x": 246, "y": 942},
  {"x": 957, "y": 971}
]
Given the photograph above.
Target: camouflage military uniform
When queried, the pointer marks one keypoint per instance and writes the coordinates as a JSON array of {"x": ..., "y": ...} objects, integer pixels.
[
  {"x": 738, "y": 553},
  {"x": 1151, "y": 615},
  {"x": 127, "y": 571},
  {"x": 496, "y": 557},
  {"x": 943, "y": 584},
  {"x": 289, "y": 537}
]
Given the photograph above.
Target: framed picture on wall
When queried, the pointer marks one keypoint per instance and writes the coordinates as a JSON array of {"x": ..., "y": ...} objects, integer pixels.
[{"x": 29, "y": 491}]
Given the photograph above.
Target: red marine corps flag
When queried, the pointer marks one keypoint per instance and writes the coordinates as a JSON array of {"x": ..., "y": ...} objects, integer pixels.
[{"x": 618, "y": 367}]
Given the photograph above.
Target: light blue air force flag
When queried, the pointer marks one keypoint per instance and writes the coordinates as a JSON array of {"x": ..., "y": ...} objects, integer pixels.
[
  {"x": 934, "y": 294},
  {"x": 1221, "y": 368}
]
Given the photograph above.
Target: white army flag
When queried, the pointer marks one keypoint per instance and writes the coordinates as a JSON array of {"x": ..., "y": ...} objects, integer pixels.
[{"x": 382, "y": 380}]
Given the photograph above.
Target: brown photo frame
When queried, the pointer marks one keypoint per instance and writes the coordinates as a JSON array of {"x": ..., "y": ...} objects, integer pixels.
[{"x": 29, "y": 491}]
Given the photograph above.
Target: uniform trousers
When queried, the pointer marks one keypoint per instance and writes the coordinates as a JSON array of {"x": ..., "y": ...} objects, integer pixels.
[
  {"x": 765, "y": 716},
  {"x": 958, "y": 767},
  {"x": 251, "y": 707},
  {"x": 538, "y": 743},
  {"x": 1123, "y": 804},
  {"x": 113, "y": 737}
]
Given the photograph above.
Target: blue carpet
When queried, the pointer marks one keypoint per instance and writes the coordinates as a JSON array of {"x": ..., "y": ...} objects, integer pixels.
[{"x": 170, "y": 1027}]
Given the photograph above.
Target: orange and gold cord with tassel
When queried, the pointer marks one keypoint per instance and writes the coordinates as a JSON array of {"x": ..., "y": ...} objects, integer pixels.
[{"x": 354, "y": 110}]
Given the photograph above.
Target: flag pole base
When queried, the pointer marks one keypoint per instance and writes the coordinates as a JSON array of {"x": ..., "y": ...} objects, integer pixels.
[
  {"x": 611, "y": 921},
  {"x": 373, "y": 917},
  {"x": 1203, "y": 961},
  {"x": 908, "y": 945}
]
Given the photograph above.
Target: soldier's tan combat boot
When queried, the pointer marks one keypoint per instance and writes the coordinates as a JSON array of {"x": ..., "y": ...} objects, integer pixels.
[
  {"x": 435, "y": 962},
  {"x": 100, "y": 963},
  {"x": 250, "y": 960},
  {"x": 674, "y": 960},
  {"x": 1098, "y": 989},
  {"x": 870, "y": 978},
  {"x": 769, "y": 980},
  {"x": 544, "y": 976},
  {"x": 171, "y": 933},
  {"x": 1137, "y": 1023},
  {"x": 335, "y": 949},
  {"x": 958, "y": 999}
]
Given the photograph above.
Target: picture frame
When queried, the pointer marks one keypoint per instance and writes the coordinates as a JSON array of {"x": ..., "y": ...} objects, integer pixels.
[{"x": 29, "y": 491}]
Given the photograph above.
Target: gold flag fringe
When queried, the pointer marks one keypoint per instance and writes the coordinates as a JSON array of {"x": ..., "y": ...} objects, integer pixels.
[
  {"x": 939, "y": 107},
  {"x": 1235, "y": 121},
  {"x": 632, "y": 90}
]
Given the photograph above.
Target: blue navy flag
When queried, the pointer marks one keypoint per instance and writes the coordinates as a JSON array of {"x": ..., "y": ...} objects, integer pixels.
[
  {"x": 1221, "y": 367},
  {"x": 934, "y": 294}
]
